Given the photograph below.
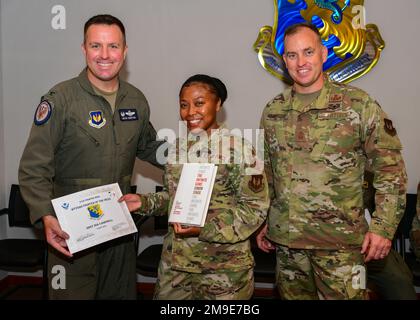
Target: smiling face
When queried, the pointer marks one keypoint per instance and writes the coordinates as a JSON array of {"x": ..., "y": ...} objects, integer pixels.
[
  {"x": 304, "y": 56},
  {"x": 198, "y": 106},
  {"x": 105, "y": 52}
]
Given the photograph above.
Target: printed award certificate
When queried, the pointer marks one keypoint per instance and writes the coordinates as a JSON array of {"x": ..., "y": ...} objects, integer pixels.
[
  {"x": 93, "y": 216},
  {"x": 193, "y": 194}
]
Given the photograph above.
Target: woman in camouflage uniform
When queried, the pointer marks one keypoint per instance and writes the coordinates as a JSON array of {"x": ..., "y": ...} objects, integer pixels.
[{"x": 215, "y": 261}]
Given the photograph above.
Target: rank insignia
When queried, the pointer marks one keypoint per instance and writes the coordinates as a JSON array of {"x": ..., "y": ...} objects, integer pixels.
[
  {"x": 128, "y": 114},
  {"x": 42, "y": 113},
  {"x": 96, "y": 119},
  {"x": 389, "y": 127},
  {"x": 336, "y": 98}
]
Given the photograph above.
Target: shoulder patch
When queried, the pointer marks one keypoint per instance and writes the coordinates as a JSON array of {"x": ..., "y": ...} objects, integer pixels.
[
  {"x": 256, "y": 183},
  {"x": 389, "y": 127},
  {"x": 42, "y": 113}
]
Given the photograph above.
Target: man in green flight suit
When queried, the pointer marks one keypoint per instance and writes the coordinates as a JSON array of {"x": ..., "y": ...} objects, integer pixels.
[
  {"x": 87, "y": 132},
  {"x": 391, "y": 277},
  {"x": 415, "y": 235},
  {"x": 318, "y": 137}
]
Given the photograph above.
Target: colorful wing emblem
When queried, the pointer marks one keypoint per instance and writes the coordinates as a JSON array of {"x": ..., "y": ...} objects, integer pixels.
[
  {"x": 95, "y": 211},
  {"x": 353, "y": 48},
  {"x": 96, "y": 119}
]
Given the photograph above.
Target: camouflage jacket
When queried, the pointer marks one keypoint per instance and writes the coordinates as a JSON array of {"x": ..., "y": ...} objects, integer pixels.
[
  {"x": 315, "y": 157},
  {"x": 238, "y": 207}
]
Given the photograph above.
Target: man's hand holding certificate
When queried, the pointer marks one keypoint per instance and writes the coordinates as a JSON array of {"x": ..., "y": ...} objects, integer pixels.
[
  {"x": 193, "y": 194},
  {"x": 93, "y": 216}
]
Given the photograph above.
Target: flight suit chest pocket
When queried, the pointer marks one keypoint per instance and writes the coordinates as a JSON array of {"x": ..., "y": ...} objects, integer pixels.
[{"x": 80, "y": 135}]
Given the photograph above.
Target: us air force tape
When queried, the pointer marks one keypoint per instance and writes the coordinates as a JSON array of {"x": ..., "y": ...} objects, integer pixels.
[{"x": 42, "y": 113}]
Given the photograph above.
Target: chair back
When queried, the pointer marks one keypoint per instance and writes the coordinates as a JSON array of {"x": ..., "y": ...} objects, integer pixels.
[{"x": 18, "y": 211}]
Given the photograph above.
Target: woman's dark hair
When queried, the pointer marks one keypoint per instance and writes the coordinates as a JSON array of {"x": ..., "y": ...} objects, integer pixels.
[{"x": 216, "y": 85}]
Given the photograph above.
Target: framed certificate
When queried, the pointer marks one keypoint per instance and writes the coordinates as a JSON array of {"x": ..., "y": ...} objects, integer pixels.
[
  {"x": 193, "y": 193},
  {"x": 93, "y": 216}
]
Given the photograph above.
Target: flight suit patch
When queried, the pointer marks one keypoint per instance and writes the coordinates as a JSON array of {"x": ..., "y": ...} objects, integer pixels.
[
  {"x": 96, "y": 119},
  {"x": 42, "y": 113},
  {"x": 128, "y": 114}
]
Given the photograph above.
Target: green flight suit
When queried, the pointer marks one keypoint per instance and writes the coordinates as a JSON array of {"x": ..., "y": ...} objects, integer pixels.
[
  {"x": 76, "y": 143},
  {"x": 415, "y": 229},
  {"x": 390, "y": 277}
]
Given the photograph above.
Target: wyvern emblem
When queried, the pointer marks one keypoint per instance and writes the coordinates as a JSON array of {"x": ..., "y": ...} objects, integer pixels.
[{"x": 353, "y": 48}]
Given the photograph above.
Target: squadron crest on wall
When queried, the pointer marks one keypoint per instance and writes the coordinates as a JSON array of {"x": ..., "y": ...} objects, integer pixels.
[{"x": 353, "y": 47}]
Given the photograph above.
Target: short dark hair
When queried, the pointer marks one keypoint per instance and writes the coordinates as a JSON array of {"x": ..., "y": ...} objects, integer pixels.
[
  {"x": 294, "y": 28},
  {"x": 215, "y": 85},
  {"x": 104, "y": 19}
]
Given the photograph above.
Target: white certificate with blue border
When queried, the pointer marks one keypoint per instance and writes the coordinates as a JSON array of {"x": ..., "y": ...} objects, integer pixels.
[{"x": 93, "y": 216}]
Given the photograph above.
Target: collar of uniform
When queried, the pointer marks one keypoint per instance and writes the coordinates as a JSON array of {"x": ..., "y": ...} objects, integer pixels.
[
  {"x": 321, "y": 102},
  {"x": 220, "y": 131},
  {"x": 86, "y": 85}
]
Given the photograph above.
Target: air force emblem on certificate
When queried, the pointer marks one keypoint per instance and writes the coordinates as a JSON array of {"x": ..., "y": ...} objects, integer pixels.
[
  {"x": 96, "y": 119},
  {"x": 95, "y": 211}
]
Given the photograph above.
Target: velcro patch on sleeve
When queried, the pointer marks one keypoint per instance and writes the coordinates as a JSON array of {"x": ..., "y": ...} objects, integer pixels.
[{"x": 43, "y": 113}]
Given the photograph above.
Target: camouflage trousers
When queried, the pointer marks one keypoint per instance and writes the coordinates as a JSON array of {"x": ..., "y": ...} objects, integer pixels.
[
  {"x": 179, "y": 285},
  {"x": 415, "y": 236},
  {"x": 303, "y": 274}
]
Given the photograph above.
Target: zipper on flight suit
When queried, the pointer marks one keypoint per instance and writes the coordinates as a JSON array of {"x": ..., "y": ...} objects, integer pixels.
[{"x": 113, "y": 160}]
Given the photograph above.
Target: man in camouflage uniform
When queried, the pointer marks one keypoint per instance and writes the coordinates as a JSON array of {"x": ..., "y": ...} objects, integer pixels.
[
  {"x": 318, "y": 137},
  {"x": 390, "y": 277},
  {"x": 415, "y": 229},
  {"x": 78, "y": 142}
]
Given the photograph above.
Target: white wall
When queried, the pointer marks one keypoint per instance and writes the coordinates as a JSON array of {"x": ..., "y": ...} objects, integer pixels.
[
  {"x": 170, "y": 40},
  {"x": 394, "y": 81}
]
